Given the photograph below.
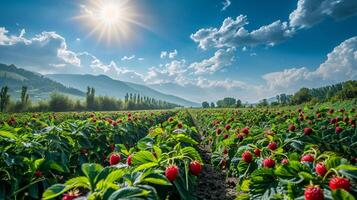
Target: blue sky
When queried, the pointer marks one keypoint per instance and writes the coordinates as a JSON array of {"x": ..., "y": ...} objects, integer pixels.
[{"x": 248, "y": 49}]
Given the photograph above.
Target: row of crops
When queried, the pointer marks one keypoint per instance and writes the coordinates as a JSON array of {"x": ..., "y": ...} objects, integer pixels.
[
  {"x": 276, "y": 153},
  {"x": 141, "y": 155},
  {"x": 307, "y": 153}
]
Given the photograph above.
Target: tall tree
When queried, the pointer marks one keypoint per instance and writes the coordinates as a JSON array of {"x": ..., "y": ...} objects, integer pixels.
[
  {"x": 205, "y": 104},
  {"x": 4, "y": 98}
]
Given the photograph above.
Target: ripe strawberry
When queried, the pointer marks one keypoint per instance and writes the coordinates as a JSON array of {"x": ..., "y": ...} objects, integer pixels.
[
  {"x": 225, "y": 151},
  {"x": 114, "y": 158},
  {"x": 245, "y": 130},
  {"x": 225, "y": 136},
  {"x": 320, "y": 169},
  {"x": 307, "y": 158},
  {"x": 318, "y": 115},
  {"x": 352, "y": 121},
  {"x": 195, "y": 167},
  {"x": 292, "y": 127},
  {"x": 284, "y": 161},
  {"x": 257, "y": 152},
  {"x": 268, "y": 163},
  {"x": 331, "y": 111},
  {"x": 227, "y": 127},
  {"x": 313, "y": 192},
  {"x": 170, "y": 119},
  {"x": 71, "y": 195},
  {"x": 247, "y": 157},
  {"x": 240, "y": 137},
  {"x": 128, "y": 160},
  {"x": 333, "y": 120},
  {"x": 38, "y": 173},
  {"x": 338, "y": 129},
  {"x": 179, "y": 125},
  {"x": 340, "y": 183},
  {"x": 112, "y": 147},
  {"x": 218, "y": 131},
  {"x": 171, "y": 172},
  {"x": 307, "y": 131},
  {"x": 272, "y": 146}
]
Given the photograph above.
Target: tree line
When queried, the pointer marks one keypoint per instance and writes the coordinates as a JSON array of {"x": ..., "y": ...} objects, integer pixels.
[
  {"x": 337, "y": 92},
  {"x": 58, "y": 102}
]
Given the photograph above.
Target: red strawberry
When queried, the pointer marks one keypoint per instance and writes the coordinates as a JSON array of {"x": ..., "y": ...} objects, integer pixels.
[
  {"x": 171, "y": 119},
  {"x": 171, "y": 172},
  {"x": 307, "y": 131},
  {"x": 307, "y": 158},
  {"x": 128, "y": 160},
  {"x": 272, "y": 146},
  {"x": 112, "y": 147},
  {"x": 257, "y": 152},
  {"x": 247, "y": 157},
  {"x": 225, "y": 136},
  {"x": 71, "y": 195},
  {"x": 114, "y": 158},
  {"x": 245, "y": 130},
  {"x": 340, "y": 183},
  {"x": 179, "y": 125},
  {"x": 284, "y": 161},
  {"x": 333, "y": 120},
  {"x": 268, "y": 162},
  {"x": 292, "y": 127},
  {"x": 352, "y": 121},
  {"x": 240, "y": 137},
  {"x": 318, "y": 115},
  {"x": 338, "y": 129},
  {"x": 314, "y": 193},
  {"x": 331, "y": 111},
  {"x": 218, "y": 131},
  {"x": 195, "y": 168},
  {"x": 38, "y": 173},
  {"x": 225, "y": 151},
  {"x": 227, "y": 127},
  {"x": 320, "y": 169}
]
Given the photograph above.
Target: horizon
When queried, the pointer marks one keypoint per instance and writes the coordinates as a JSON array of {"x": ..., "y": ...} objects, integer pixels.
[{"x": 249, "y": 50}]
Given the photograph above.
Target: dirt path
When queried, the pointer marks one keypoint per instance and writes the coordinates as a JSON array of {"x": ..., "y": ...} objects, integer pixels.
[{"x": 212, "y": 184}]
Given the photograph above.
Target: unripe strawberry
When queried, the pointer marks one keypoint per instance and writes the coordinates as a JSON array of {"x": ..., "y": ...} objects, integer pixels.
[
  {"x": 307, "y": 131},
  {"x": 313, "y": 193},
  {"x": 114, "y": 158},
  {"x": 338, "y": 129},
  {"x": 340, "y": 183},
  {"x": 320, "y": 169},
  {"x": 268, "y": 162},
  {"x": 257, "y": 152},
  {"x": 272, "y": 146},
  {"x": 195, "y": 168},
  {"x": 245, "y": 130},
  {"x": 292, "y": 127},
  {"x": 307, "y": 158},
  {"x": 171, "y": 172},
  {"x": 240, "y": 137},
  {"x": 129, "y": 159},
  {"x": 247, "y": 157},
  {"x": 284, "y": 161}
]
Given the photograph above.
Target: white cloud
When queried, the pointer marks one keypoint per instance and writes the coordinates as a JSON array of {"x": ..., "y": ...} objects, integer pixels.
[
  {"x": 140, "y": 59},
  {"x": 341, "y": 65},
  {"x": 226, "y": 84},
  {"x": 128, "y": 57},
  {"x": 233, "y": 34},
  {"x": 226, "y": 4},
  {"x": 311, "y": 12},
  {"x": 168, "y": 54},
  {"x": 221, "y": 59}
]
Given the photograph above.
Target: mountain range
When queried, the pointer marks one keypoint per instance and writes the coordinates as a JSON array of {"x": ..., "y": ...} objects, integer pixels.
[{"x": 75, "y": 85}]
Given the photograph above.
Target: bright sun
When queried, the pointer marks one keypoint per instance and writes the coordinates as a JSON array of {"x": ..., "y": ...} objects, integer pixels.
[{"x": 110, "y": 20}]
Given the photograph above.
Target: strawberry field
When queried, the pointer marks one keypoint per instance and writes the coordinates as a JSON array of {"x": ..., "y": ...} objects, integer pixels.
[{"x": 250, "y": 153}]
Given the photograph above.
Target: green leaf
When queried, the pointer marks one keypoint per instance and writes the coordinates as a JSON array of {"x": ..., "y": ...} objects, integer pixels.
[
  {"x": 342, "y": 195},
  {"x": 54, "y": 191},
  {"x": 332, "y": 162},
  {"x": 91, "y": 170},
  {"x": 192, "y": 153},
  {"x": 143, "y": 157},
  {"x": 114, "y": 176},
  {"x": 145, "y": 166},
  {"x": 129, "y": 193},
  {"x": 80, "y": 181},
  {"x": 7, "y": 134},
  {"x": 348, "y": 170},
  {"x": 157, "y": 179},
  {"x": 185, "y": 138}
]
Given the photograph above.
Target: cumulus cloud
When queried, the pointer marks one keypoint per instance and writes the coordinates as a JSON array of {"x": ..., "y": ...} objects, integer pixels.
[
  {"x": 311, "y": 12},
  {"x": 226, "y": 4},
  {"x": 221, "y": 59},
  {"x": 340, "y": 65},
  {"x": 128, "y": 57},
  {"x": 171, "y": 55},
  {"x": 233, "y": 34}
]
